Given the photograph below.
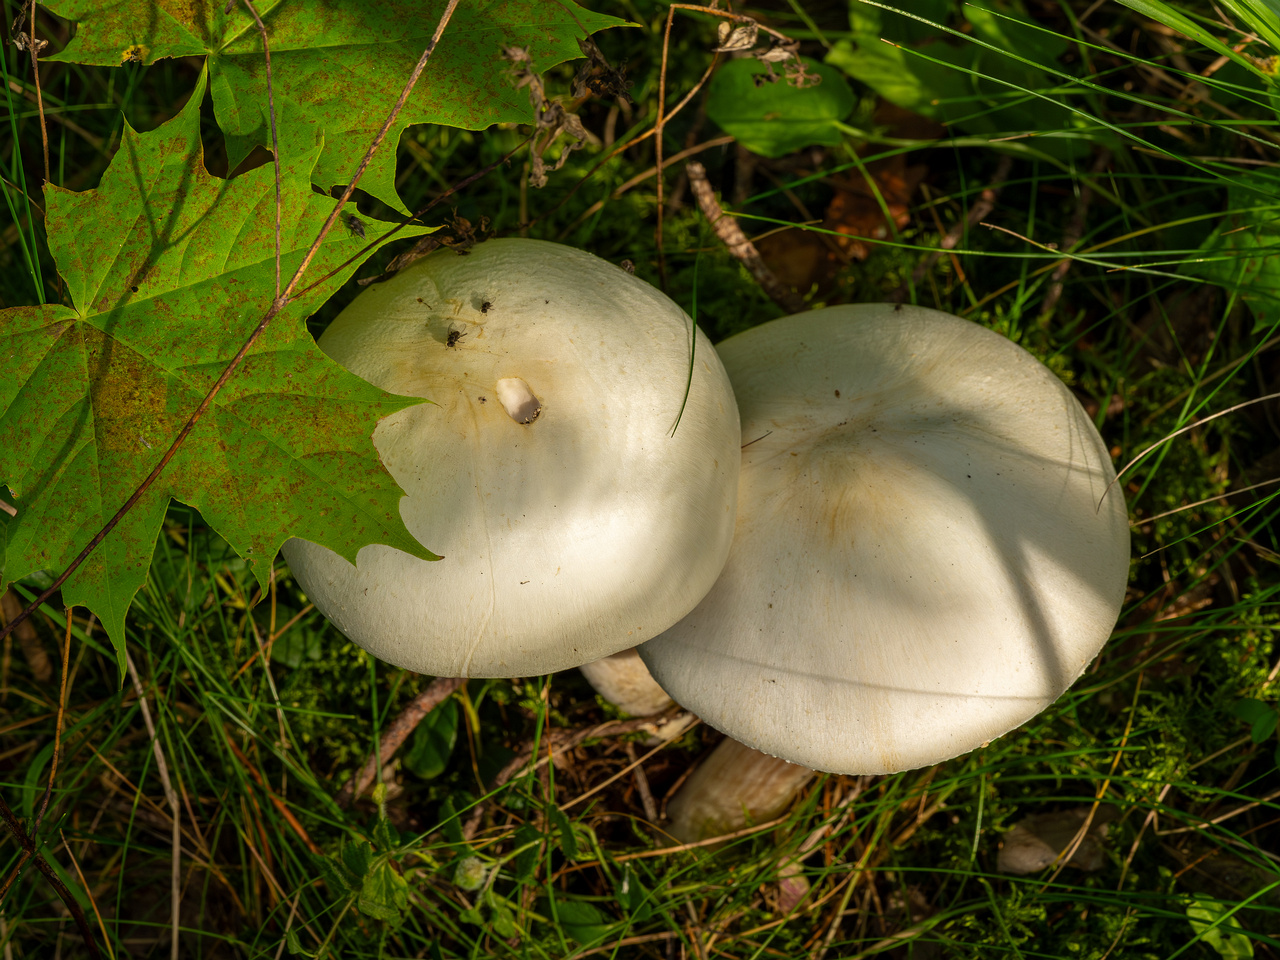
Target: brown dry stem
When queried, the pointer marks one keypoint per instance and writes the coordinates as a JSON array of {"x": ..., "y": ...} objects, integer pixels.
[
  {"x": 436, "y": 693},
  {"x": 743, "y": 250}
]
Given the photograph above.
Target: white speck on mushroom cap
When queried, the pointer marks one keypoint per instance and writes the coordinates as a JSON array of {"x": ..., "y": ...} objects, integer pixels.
[
  {"x": 517, "y": 399},
  {"x": 919, "y": 563},
  {"x": 568, "y": 535}
]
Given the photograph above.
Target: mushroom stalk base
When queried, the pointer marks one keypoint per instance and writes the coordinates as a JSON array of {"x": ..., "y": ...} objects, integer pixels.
[
  {"x": 735, "y": 785},
  {"x": 625, "y": 681}
]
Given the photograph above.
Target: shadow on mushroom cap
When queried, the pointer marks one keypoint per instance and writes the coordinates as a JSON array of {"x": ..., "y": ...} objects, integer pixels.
[{"x": 919, "y": 563}]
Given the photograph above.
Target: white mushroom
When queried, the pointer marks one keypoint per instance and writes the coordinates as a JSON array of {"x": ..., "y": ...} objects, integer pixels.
[
  {"x": 574, "y": 517},
  {"x": 920, "y": 562}
]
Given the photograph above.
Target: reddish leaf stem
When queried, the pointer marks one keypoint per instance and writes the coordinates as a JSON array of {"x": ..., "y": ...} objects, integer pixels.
[
  {"x": 57, "y": 735},
  {"x": 276, "y": 306},
  {"x": 35, "y": 76},
  {"x": 373, "y": 147},
  {"x": 460, "y": 185}
]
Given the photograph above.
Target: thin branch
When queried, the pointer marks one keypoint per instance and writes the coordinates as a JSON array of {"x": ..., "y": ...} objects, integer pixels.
[
  {"x": 460, "y": 185},
  {"x": 663, "y": 116},
  {"x": 175, "y": 812},
  {"x": 65, "y": 895},
  {"x": 277, "y": 305},
  {"x": 436, "y": 693},
  {"x": 57, "y": 736},
  {"x": 641, "y": 780},
  {"x": 640, "y": 178},
  {"x": 620, "y": 148},
  {"x": 34, "y": 49},
  {"x": 744, "y": 250},
  {"x": 985, "y": 203},
  {"x": 373, "y": 147}
]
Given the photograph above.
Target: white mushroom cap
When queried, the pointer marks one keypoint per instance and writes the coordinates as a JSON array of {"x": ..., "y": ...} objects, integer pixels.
[
  {"x": 919, "y": 564},
  {"x": 573, "y": 520}
]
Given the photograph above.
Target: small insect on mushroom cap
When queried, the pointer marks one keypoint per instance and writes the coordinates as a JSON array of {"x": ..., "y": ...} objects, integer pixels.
[{"x": 455, "y": 334}]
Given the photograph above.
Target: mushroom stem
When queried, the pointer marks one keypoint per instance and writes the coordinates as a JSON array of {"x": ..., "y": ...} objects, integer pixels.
[
  {"x": 735, "y": 785},
  {"x": 624, "y": 680}
]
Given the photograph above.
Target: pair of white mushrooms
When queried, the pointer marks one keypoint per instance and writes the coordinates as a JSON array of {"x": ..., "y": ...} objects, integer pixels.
[{"x": 917, "y": 561}]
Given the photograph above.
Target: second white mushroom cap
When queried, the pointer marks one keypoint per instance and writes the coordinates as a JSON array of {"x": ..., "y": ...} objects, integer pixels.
[{"x": 920, "y": 562}]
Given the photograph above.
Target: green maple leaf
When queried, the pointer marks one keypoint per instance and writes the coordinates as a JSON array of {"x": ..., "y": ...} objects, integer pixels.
[
  {"x": 168, "y": 271},
  {"x": 339, "y": 65}
]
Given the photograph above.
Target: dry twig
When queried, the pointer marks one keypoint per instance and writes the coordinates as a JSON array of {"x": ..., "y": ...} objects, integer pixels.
[
  {"x": 985, "y": 203},
  {"x": 175, "y": 812},
  {"x": 436, "y": 693},
  {"x": 29, "y": 849},
  {"x": 731, "y": 235},
  {"x": 558, "y": 741}
]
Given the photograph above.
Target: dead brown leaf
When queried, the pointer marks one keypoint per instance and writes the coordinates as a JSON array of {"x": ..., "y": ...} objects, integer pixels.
[{"x": 1037, "y": 841}]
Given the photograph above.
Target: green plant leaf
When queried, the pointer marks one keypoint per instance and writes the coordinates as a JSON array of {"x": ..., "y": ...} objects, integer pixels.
[
  {"x": 433, "y": 740},
  {"x": 945, "y": 76},
  {"x": 338, "y": 66},
  {"x": 568, "y": 842},
  {"x": 357, "y": 857},
  {"x": 294, "y": 945},
  {"x": 91, "y": 395},
  {"x": 502, "y": 917},
  {"x": 529, "y": 846},
  {"x": 911, "y": 82},
  {"x": 1209, "y": 920},
  {"x": 1242, "y": 254},
  {"x": 582, "y": 921},
  {"x": 774, "y": 119},
  {"x": 385, "y": 835},
  {"x": 633, "y": 896},
  {"x": 297, "y": 646},
  {"x": 1260, "y": 716},
  {"x": 334, "y": 874},
  {"x": 384, "y": 894},
  {"x": 451, "y": 822}
]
